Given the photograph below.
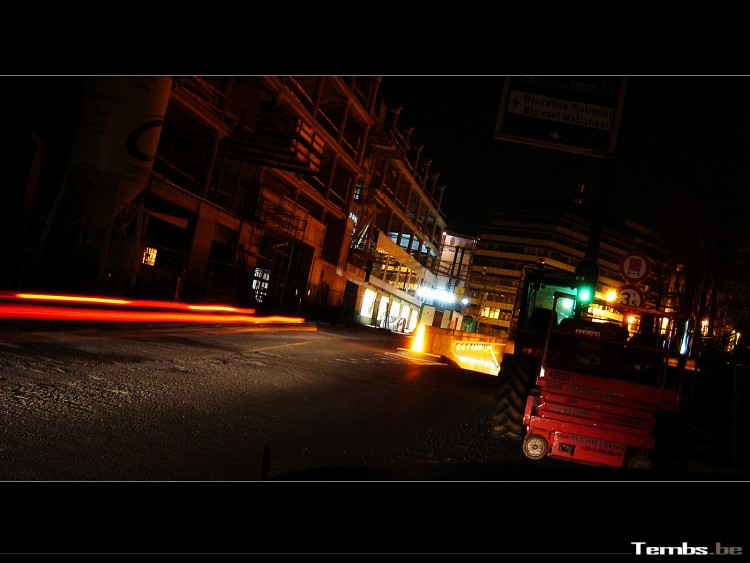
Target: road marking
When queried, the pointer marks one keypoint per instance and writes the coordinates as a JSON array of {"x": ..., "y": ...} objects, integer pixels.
[
  {"x": 412, "y": 359},
  {"x": 390, "y": 357}
]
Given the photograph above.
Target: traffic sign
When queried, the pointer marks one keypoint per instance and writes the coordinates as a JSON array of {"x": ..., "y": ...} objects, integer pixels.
[
  {"x": 579, "y": 114},
  {"x": 635, "y": 266},
  {"x": 630, "y": 295}
]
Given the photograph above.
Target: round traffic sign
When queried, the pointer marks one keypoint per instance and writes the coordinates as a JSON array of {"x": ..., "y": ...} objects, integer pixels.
[
  {"x": 635, "y": 266},
  {"x": 630, "y": 295}
]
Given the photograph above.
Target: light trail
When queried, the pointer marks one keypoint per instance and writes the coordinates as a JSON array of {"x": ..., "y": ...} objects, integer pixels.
[{"x": 40, "y": 306}]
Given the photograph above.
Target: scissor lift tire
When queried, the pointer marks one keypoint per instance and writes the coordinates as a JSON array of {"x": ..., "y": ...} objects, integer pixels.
[
  {"x": 639, "y": 460},
  {"x": 535, "y": 446},
  {"x": 510, "y": 398}
]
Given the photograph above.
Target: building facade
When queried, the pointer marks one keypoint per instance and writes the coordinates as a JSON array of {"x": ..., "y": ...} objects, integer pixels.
[
  {"x": 291, "y": 195},
  {"x": 557, "y": 234}
]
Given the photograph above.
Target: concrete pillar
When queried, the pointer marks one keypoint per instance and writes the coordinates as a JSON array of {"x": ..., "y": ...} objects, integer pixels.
[
  {"x": 115, "y": 145},
  {"x": 201, "y": 245}
]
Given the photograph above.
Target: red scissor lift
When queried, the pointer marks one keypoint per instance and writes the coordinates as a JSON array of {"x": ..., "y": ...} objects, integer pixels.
[{"x": 598, "y": 395}]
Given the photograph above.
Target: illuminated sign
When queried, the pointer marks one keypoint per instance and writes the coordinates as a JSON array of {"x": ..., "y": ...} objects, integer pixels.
[{"x": 438, "y": 294}]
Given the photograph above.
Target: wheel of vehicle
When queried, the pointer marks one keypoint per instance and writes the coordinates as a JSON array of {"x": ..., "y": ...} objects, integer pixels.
[
  {"x": 534, "y": 446},
  {"x": 510, "y": 398},
  {"x": 639, "y": 460}
]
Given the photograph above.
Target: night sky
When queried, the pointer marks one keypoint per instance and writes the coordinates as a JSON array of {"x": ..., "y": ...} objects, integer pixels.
[{"x": 676, "y": 133}]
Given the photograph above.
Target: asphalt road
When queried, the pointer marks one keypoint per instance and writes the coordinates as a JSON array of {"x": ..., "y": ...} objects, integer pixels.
[
  {"x": 130, "y": 403},
  {"x": 87, "y": 402}
]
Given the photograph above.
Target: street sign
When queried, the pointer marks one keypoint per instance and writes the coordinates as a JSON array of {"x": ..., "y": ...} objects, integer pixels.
[
  {"x": 579, "y": 114},
  {"x": 635, "y": 266},
  {"x": 630, "y": 295}
]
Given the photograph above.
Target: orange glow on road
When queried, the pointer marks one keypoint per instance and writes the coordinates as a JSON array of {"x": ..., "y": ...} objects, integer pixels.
[{"x": 104, "y": 309}]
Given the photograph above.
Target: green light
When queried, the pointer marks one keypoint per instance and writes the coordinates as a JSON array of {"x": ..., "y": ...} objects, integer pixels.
[
  {"x": 585, "y": 294},
  {"x": 586, "y": 276}
]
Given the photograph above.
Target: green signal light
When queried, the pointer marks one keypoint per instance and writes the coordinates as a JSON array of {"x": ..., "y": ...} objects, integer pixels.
[
  {"x": 586, "y": 275},
  {"x": 585, "y": 294}
]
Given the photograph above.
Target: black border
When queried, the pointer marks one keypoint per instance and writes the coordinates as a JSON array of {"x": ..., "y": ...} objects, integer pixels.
[{"x": 307, "y": 518}]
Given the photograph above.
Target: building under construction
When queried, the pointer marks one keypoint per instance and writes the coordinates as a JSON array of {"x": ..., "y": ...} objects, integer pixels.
[{"x": 291, "y": 195}]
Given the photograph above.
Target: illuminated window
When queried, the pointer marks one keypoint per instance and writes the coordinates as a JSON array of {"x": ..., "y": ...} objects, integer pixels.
[
  {"x": 490, "y": 313},
  {"x": 395, "y": 310},
  {"x": 382, "y": 308},
  {"x": 368, "y": 302},
  {"x": 149, "y": 256},
  {"x": 260, "y": 284},
  {"x": 704, "y": 327},
  {"x": 413, "y": 320}
]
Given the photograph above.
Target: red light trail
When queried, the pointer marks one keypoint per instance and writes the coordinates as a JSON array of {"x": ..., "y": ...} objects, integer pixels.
[{"x": 36, "y": 306}]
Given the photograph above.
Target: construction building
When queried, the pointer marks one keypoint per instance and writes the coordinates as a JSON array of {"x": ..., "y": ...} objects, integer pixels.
[{"x": 291, "y": 195}]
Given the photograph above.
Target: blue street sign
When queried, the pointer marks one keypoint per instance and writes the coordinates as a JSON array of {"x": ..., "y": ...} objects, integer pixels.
[{"x": 574, "y": 114}]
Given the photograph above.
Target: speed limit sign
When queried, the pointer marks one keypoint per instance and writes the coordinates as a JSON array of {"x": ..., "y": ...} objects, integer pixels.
[{"x": 630, "y": 295}]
